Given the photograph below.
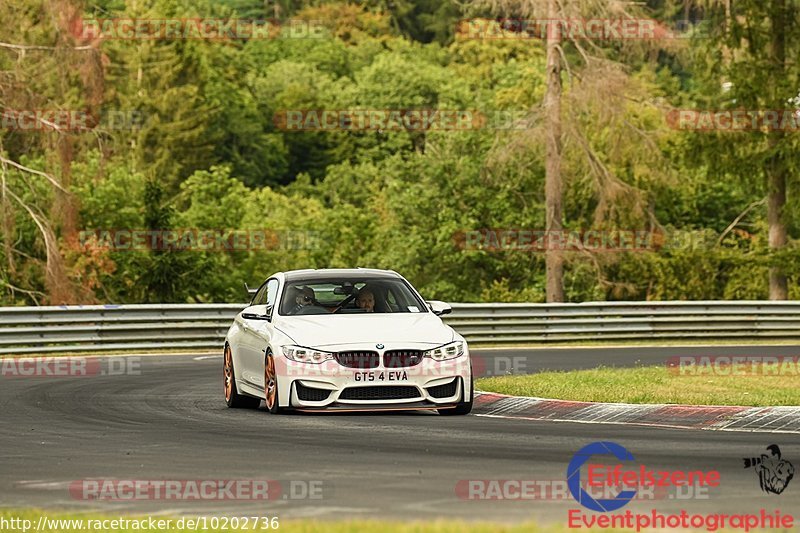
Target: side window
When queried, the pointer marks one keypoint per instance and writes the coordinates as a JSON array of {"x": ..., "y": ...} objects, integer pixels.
[
  {"x": 261, "y": 296},
  {"x": 272, "y": 292}
]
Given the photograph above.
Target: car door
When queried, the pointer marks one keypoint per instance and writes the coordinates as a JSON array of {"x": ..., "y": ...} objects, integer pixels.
[{"x": 256, "y": 333}]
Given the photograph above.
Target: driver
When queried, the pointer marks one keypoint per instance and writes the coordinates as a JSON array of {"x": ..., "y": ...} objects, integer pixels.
[
  {"x": 366, "y": 300},
  {"x": 304, "y": 298}
]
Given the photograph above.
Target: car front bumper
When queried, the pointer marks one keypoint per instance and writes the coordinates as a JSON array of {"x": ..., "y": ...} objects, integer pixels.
[{"x": 427, "y": 385}]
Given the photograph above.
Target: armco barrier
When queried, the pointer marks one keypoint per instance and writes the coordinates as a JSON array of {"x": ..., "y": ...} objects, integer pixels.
[{"x": 203, "y": 326}]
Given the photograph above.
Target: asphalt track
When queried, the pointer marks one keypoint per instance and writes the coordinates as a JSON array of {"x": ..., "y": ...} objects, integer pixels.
[
  {"x": 524, "y": 361},
  {"x": 166, "y": 420}
]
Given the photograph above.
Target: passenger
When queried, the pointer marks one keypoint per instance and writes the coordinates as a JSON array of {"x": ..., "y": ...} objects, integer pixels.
[{"x": 366, "y": 300}]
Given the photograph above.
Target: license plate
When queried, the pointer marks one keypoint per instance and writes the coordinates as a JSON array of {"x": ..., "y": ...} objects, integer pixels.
[{"x": 382, "y": 375}]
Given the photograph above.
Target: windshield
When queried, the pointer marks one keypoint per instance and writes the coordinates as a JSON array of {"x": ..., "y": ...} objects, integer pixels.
[{"x": 349, "y": 296}]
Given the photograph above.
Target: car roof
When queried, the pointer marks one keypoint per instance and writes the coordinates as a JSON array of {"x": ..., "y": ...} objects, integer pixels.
[{"x": 325, "y": 273}]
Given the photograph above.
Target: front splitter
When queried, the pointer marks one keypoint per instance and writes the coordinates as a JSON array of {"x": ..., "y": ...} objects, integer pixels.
[{"x": 419, "y": 406}]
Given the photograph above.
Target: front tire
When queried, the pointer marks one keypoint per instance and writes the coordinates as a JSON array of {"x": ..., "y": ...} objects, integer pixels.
[
  {"x": 271, "y": 386},
  {"x": 463, "y": 407},
  {"x": 232, "y": 397}
]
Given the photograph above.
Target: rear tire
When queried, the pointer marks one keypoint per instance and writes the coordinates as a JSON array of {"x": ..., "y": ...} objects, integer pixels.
[
  {"x": 233, "y": 399},
  {"x": 463, "y": 407},
  {"x": 271, "y": 386}
]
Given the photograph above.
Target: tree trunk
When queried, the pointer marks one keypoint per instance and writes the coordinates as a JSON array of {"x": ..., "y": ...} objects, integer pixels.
[
  {"x": 776, "y": 169},
  {"x": 776, "y": 200},
  {"x": 553, "y": 188}
]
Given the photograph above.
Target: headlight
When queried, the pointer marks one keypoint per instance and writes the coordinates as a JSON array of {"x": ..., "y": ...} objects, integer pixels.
[
  {"x": 306, "y": 355},
  {"x": 448, "y": 351}
]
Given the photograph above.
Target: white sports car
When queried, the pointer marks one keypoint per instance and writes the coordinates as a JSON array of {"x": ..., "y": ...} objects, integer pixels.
[{"x": 345, "y": 340}]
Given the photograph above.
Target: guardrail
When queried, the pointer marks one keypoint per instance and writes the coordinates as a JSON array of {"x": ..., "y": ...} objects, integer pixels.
[{"x": 203, "y": 326}]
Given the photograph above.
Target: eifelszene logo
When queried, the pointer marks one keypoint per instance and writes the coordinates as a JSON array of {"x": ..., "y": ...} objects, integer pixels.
[
  {"x": 619, "y": 469},
  {"x": 574, "y": 477},
  {"x": 604, "y": 475},
  {"x": 774, "y": 472}
]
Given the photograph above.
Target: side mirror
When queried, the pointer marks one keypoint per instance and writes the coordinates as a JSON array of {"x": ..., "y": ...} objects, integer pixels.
[
  {"x": 258, "y": 312},
  {"x": 253, "y": 316},
  {"x": 439, "y": 308}
]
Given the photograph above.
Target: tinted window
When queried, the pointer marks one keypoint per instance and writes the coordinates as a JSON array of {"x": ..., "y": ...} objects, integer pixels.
[{"x": 349, "y": 296}]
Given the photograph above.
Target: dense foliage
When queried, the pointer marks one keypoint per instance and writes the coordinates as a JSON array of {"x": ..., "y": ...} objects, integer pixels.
[{"x": 197, "y": 145}]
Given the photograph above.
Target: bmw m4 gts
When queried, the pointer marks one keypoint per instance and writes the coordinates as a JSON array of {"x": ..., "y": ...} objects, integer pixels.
[{"x": 345, "y": 340}]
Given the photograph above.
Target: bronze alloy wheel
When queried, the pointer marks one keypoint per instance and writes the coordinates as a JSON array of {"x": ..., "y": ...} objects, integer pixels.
[
  {"x": 227, "y": 374},
  {"x": 271, "y": 384},
  {"x": 232, "y": 396}
]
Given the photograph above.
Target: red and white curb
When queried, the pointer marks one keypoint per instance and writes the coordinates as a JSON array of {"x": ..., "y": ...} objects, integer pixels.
[{"x": 718, "y": 418}]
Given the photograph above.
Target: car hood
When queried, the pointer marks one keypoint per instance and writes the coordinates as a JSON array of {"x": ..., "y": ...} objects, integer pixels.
[{"x": 385, "y": 328}]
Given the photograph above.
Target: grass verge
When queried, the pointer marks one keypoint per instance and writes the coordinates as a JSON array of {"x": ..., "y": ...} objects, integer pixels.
[{"x": 752, "y": 386}]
